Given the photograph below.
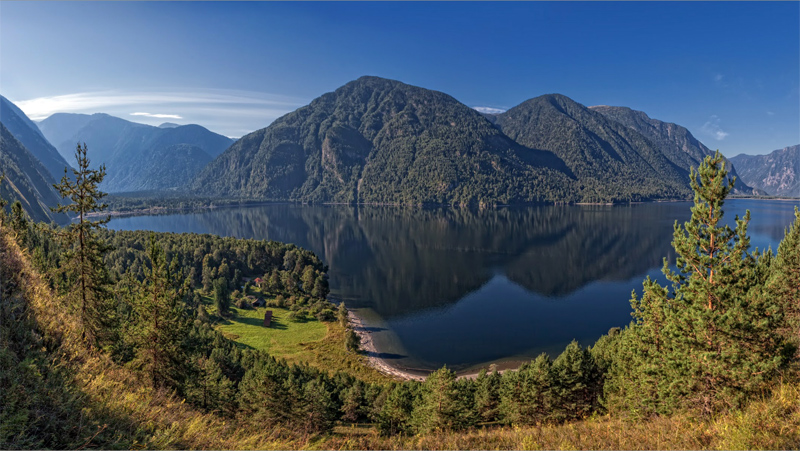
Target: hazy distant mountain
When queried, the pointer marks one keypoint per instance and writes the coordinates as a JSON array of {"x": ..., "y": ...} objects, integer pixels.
[
  {"x": 777, "y": 173},
  {"x": 137, "y": 156},
  {"x": 378, "y": 140},
  {"x": 674, "y": 141},
  {"x": 27, "y": 180},
  {"x": 168, "y": 125},
  {"x": 31, "y": 138},
  {"x": 611, "y": 161}
]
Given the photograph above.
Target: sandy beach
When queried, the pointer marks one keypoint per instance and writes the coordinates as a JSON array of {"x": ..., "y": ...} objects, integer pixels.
[
  {"x": 368, "y": 346},
  {"x": 374, "y": 360}
]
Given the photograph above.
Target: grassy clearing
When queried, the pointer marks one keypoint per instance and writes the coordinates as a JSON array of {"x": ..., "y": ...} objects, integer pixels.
[
  {"x": 319, "y": 344},
  {"x": 284, "y": 338}
]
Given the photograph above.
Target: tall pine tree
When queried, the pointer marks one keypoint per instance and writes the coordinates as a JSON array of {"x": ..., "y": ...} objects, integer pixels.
[
  {"x": 711, "y": 340},
  {"x": 86, "y": 268}
]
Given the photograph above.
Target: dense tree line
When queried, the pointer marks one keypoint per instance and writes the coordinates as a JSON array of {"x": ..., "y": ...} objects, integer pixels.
[{"x": 725, "y": 330}]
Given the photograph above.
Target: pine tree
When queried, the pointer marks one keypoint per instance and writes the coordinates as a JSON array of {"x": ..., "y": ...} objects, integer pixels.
[
  {"x": 341, "y": 314},
  {"x": 784, "y": 280},
  {"x": 710, "y": 341},
  {"x": 352, "y": 403},
  {"x": 352, "y": 340},
  {"x": 441, "y": 406},
  {"x": 161, "y": 324},
  {"x": 487, "y": 395},
  {"x": 85, "y": 254},
  {"x": 575, "y": 383},
  {"x": 222, "y": 297},
  {"x": 395, "y": 414}
]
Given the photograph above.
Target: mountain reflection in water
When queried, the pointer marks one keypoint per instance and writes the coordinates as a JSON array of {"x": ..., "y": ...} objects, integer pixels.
[{"x": 465, "y": 287}]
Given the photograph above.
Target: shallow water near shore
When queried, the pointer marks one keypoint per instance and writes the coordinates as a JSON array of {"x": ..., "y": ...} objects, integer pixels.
[{"x": 466, "y": 288}]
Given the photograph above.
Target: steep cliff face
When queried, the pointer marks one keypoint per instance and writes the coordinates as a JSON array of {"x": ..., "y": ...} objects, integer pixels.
[{"x": 777, "y": 173}]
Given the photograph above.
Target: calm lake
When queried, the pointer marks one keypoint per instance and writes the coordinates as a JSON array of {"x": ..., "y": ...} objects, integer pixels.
[{"x": 465, "y": 288}]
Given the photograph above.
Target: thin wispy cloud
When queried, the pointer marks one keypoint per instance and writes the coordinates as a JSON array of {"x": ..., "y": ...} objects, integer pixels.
[
  {"x": 718, "y": 77},
  {"x": 713, "y": 129},
  {"x": 488, "y": 110},
  {"x": 228, "y": 112},
  {"x": 158, "y": 115}
]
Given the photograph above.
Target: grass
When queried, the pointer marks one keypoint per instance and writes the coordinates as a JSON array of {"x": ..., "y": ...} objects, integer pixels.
[
  {"x": 318, "y": 344},
  {"x": 284, "y": 338},
  {"x": 117, "y": 410}
]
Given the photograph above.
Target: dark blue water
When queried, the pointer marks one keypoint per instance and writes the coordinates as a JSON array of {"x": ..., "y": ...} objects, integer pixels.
[{"x": 465, "y": 288}]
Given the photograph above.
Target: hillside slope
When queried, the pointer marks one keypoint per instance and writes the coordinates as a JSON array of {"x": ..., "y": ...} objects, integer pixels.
[
  {"x": 27, "y": 180},
  {"x": 674, "y": 141},
  {"x": 777, "y": 173},
  {"x": 612, "y": 162},
  {"x": 19, "y": 125}
]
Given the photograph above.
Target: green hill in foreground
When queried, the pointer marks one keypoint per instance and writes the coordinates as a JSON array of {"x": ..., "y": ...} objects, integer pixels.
[{"x": 58, "y": 395}]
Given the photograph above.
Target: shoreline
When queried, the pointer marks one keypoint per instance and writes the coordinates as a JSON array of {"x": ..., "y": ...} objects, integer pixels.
[{"x": 382, "y": 366}]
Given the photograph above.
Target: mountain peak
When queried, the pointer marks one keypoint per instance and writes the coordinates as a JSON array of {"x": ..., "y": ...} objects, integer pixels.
[{"x": 168, "y": 125}]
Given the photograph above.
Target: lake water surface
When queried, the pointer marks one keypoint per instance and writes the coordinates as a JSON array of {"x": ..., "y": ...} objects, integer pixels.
[{"x": 465, "y": 288}]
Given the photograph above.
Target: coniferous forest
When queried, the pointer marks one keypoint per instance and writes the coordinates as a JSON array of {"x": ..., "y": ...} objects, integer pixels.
[{"x": 108, "y": 339}]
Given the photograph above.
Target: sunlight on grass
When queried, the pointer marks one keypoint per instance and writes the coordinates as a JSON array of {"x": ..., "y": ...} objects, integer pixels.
[{"x": 284, "y": 338}]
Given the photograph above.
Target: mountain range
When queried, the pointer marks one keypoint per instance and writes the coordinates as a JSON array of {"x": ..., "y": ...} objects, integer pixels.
[
  {"x": 137, "y": 156},
  {"x": 777, "y": 173},
  {"x": 382, "y": 141}
]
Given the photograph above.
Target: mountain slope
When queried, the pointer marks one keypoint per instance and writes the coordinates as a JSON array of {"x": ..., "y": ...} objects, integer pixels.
[
  {"x": 137, "y": 156},
  {"x": 612, "y": 162},
  {"x": 378, "y": 140},
  {"x": 777, "y": 173},
  {"x": 27, "y": 180},
  {"x": 674, "y": 141},
  {"x": 32, "y": 138}
]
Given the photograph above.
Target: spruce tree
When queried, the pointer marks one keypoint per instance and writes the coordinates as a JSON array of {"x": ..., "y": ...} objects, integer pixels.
[
  {"x": 161, "y": 324},
  {"x": 222, "y": 297},
  {"x": 395, "y": 415},
  {"x": 86, "y": 268},
  {"x": 711, "y": 340},
  {"x": 487, "y": 395},
  {"x": 784, "y": 280},
  {"x": 442, "y": 406}
]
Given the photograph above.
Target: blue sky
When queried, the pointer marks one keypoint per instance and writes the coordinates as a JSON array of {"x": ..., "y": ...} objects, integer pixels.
[{"x": 728, "y": 71}]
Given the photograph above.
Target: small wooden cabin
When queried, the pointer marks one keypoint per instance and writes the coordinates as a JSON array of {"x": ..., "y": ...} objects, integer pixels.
[
  {"x": 260, "y": 302},
  {"x": 267, "y": 318}
]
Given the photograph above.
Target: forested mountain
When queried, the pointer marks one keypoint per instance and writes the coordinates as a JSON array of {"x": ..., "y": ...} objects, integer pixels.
[
  {"x": 137, "y": 156},
  {"x": 27, "y": 180},
  {"x": 675, "y": 142},
  {"x": 611, "y": 161},
  {"x": 777, "y": 173},
  {"x": 378, "y": 140},
  {"x": 31, "y": 138}
]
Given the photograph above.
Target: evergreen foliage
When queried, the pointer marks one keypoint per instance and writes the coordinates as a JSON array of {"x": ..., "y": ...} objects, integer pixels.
[
  {"x": 161, "y": 325},
  {"x": 86, "y": 267},
  {"x": 784, "y": 280},
  {"x": 710, "y": 342}
]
